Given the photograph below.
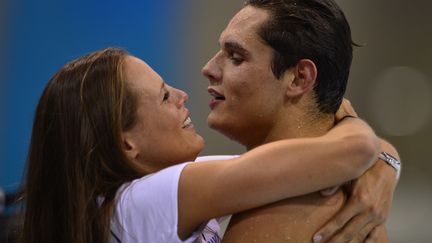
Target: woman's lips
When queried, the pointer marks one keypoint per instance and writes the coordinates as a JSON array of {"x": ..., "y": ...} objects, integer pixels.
[{"x": 187, "y": 123}]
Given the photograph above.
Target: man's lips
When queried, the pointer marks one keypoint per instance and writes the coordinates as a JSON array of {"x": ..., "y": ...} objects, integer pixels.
[
  {"x": 214, "y": 102},
  {"x": 217, "y": 97},
  {"x": 216, "y": 94}
]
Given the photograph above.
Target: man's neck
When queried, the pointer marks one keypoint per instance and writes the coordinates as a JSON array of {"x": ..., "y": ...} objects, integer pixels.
[{"x": 299, "y": 125}]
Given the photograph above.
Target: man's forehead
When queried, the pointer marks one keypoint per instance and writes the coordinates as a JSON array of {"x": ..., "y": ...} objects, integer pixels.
[
  {"x": 249, "y": 16},
  {"x": 244, "y": 25}
]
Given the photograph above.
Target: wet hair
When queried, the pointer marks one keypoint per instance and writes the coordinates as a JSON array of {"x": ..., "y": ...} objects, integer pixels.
[
  {"x": 315, "y": 30},
  {"x": 76, "y": 161}
]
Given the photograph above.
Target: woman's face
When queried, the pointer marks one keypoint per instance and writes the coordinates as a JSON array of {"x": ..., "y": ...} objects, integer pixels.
[{"x": 163, "y": 133}]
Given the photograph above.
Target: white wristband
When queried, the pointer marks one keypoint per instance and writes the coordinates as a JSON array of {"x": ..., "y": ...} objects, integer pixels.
[{"x": 392, "y": 161}]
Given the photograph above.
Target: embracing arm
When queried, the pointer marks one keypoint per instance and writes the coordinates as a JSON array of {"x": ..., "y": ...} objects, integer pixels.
[
  {"x": 368, "y": 205},
  {"x": 273, "y": 172}
]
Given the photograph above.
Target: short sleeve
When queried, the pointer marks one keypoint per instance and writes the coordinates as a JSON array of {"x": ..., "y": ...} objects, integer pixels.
[{"x": 147, "y": 208}]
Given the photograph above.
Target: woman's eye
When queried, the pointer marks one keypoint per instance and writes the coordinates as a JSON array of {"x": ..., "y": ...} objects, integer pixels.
[{"x": 166, "y": 96}]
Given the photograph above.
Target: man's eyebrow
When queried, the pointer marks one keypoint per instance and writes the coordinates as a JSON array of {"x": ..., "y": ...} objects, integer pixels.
[{"x": 234, "y": 46}]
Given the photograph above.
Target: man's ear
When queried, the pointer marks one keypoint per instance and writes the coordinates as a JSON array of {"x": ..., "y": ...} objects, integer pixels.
[
  {"x": 130, "y": 147},
  {"x": 305, "y": 74}
]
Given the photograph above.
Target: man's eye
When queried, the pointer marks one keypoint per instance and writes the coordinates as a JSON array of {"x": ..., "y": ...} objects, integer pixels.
[{"x": 236, "y": 58}]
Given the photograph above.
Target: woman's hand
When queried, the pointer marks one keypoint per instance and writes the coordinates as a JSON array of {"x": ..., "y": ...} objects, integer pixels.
[{"x": 345, "y": 110}]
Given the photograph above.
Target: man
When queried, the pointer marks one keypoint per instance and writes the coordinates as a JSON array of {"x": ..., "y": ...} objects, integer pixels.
[{"x": 281, "y": 73}]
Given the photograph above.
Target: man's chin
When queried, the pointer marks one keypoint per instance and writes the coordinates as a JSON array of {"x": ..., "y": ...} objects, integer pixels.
[
  {"x": 220, "y": 126},
  {"x": 211, "y": 120},
  {"x": 212, "y": 124},
  {"x": 215, "y": 121}
]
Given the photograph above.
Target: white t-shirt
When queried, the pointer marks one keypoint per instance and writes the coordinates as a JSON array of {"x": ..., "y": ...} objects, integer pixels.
[{"x": 146, "y": 210}]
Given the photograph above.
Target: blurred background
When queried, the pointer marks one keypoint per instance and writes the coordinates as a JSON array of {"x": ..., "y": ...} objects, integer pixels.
[{"x": 390, "y": 83}]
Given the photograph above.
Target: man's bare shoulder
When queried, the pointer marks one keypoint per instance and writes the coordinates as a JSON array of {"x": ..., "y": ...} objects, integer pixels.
[{"x": 290, "y": 220}]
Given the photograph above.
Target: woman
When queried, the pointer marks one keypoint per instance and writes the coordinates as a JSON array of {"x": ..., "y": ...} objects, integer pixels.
[{"x": 107, "y": 155}]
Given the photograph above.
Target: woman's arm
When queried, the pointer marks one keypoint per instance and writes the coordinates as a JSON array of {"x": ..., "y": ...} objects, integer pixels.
[{"x": 274, "y": 171}]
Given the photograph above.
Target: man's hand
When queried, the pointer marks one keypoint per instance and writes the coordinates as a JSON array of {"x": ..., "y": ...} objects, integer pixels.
[{"x": 367, "y": 208}]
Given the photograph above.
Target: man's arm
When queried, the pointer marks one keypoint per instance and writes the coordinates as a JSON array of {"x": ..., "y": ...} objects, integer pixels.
[
  {"x": 369, "y": 202},
  {"x": 368, "y": 206}
]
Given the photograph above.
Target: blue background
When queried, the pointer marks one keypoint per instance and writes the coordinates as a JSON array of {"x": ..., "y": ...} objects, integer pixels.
[{"x": 41, "y": 36}]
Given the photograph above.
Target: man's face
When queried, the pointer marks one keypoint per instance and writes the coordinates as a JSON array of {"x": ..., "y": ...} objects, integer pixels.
[{"x": 247, "y": 97}]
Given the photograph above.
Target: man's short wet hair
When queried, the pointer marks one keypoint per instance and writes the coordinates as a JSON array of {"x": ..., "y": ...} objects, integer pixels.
[{"x": 315, "y": 30}]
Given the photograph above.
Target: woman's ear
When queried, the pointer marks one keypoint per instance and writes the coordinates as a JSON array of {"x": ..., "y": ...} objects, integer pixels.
[
  {"x": 130, "y": 147},
  {"x": 305, "y": 74}
]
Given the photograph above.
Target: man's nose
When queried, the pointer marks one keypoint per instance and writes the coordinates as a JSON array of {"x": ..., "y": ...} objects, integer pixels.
[{"x": 212, "y": 70}]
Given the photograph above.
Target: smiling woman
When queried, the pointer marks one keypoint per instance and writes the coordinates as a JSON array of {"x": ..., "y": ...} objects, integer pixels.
[
  {"x": 109, "y": 151},
  {"x": 160, "y": 107}
]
